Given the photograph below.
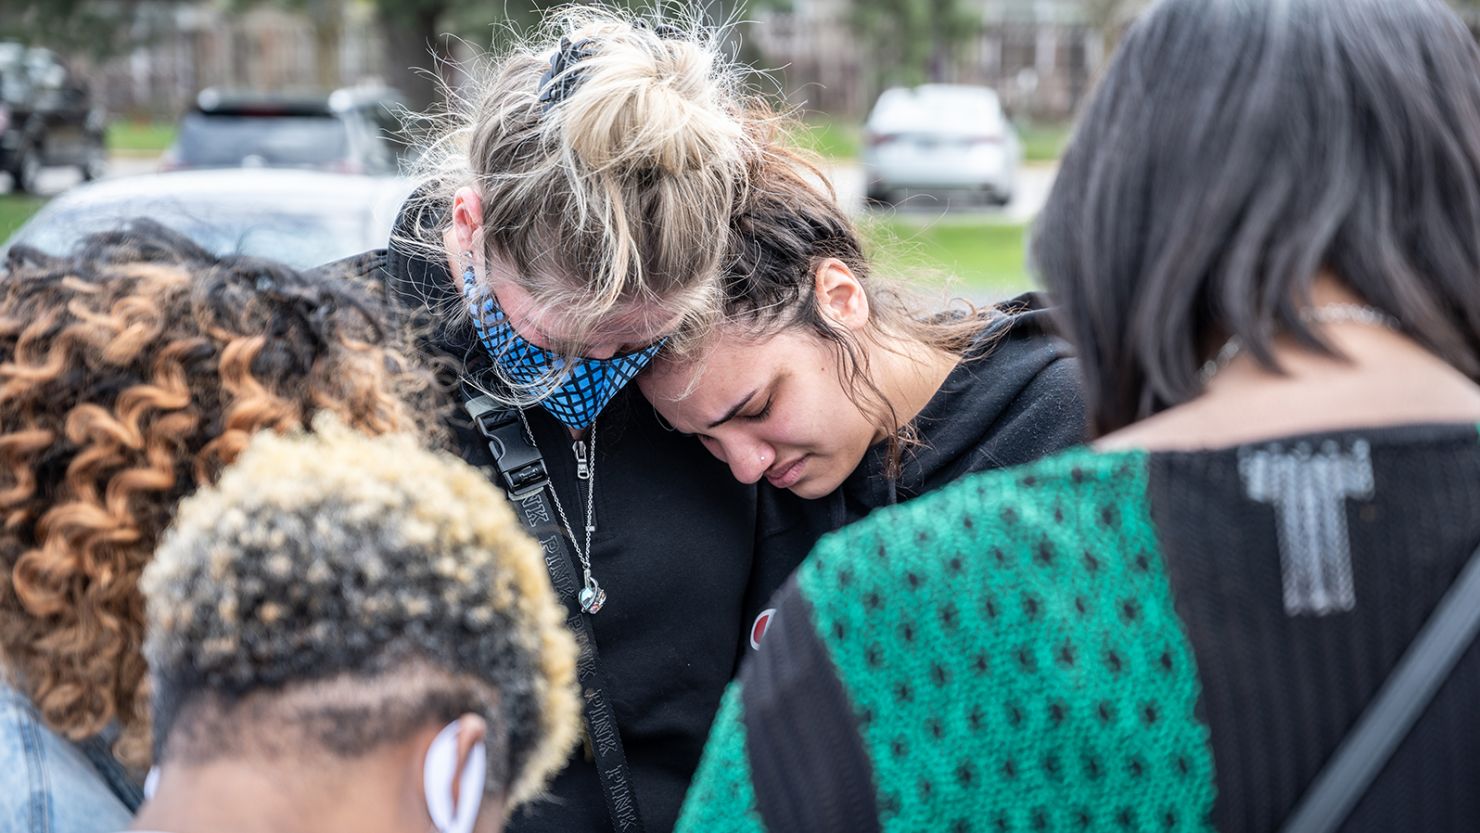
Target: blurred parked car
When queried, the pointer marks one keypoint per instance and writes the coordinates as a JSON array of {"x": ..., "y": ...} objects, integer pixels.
[
  {"x": 303, "y": 218},
  {"x": 940, "y": 137},
  {"x": 353, "y": 130},
  {"x": 46, "y": 118}
]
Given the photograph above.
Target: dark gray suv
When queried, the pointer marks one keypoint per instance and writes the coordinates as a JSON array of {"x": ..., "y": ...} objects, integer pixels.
[
  {"x": 46, "y": 118},
  {"x": 353, "y": 130}
]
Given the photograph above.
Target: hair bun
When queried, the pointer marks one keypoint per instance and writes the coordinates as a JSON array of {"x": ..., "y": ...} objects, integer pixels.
[
  {"x": 646, "y": 97},
  {"x": 609, "y": 155}
]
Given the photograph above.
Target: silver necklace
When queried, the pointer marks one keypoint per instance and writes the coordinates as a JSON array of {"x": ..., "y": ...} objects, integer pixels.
[
  {"x": 592, "y": 597},
  {"x": 1324, "y": 314}
]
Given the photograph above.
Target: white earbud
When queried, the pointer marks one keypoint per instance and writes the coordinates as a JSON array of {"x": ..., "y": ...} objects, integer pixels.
[
  {"x": 437, "y": 772},
  {"x": 151, "y": 783}
]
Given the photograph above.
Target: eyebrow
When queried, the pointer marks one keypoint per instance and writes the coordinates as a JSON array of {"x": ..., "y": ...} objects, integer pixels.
[
  {"x": 738, "y": 407},
  {"x": 582, "y": 351}
]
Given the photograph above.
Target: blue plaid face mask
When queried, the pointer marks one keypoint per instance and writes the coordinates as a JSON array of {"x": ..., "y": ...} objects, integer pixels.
[{"x": 575, "y": 396}]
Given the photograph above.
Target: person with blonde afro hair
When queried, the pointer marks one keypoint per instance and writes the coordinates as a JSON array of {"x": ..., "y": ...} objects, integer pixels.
[{"x": 352, "y": 634}]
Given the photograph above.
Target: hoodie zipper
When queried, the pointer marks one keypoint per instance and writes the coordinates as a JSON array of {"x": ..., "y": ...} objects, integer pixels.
[{"x": 583, "y": 464}]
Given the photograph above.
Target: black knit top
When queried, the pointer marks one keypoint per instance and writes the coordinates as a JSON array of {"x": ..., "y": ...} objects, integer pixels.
[{"x": 1114, "y": 641}]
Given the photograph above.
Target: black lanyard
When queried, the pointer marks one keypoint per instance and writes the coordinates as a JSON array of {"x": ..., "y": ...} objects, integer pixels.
[
  {"x": 1425, "y": 666},
  {"x": 527, "y": 481}
]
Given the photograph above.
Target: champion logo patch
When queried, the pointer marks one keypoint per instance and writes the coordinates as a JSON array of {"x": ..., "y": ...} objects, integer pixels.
[{"x": 758, "y": 629}]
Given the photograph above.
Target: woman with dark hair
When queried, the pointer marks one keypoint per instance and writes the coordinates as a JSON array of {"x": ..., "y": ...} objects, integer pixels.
[
  {"x": 1251, "y": 603},
  {"x": 131, "y": 373},
  {"x": 823, "y": 381}
]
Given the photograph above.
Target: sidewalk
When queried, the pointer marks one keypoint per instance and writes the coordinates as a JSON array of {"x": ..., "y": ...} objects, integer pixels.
[
  {"x": 1034, "y": 182},
  {"x": 56, "y": 180}
]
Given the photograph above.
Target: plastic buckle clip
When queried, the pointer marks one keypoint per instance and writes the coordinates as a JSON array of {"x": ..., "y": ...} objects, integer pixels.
[{"x": 519, "y": 463}]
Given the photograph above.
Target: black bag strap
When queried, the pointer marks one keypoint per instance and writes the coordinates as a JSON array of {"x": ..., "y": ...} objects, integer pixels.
[
  {"x": 1388, "y": 718},
  {"x": 527, "y": 481}
]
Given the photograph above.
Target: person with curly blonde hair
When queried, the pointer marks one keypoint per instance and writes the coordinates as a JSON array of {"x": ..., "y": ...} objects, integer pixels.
[
  {"x": 131, "y": 373},
  {"x": 351, "y": 633}
]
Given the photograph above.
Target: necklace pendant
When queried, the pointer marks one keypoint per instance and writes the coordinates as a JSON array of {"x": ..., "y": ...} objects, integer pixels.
[{"x": 592, "y": 597}]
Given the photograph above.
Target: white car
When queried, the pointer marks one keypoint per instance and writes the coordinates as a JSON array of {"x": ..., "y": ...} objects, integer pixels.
[
  {"x": 940, "y": 138},
  {"x": 302, "y": 218}
]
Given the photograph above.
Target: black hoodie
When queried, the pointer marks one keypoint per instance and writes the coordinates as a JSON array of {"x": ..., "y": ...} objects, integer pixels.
[
  {"x": 1014, "y": 398},
  {"x": 674, "y": 548}
]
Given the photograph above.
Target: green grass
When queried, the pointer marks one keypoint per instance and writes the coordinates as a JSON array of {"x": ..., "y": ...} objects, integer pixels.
[
  {"x": 15, "y": 209},
  {"x": 1043, "y": 142},
  {"x": 830, "y": 138},
  {"x": 140, "y": 136},
  {"x": 840, "y": 139},
  {"x": 984, "y": 258}
]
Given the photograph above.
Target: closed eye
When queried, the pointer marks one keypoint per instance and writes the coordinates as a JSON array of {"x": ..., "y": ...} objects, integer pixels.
[{"x": 760, "y": 415}]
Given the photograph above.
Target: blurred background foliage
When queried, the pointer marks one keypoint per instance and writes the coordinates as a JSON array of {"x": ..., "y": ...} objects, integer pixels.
[{"x": 824, "y": 60}]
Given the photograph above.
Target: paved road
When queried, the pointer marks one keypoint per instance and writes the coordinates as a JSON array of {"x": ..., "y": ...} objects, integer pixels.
[
  {"x": 56, "y": 180},
  {"x": 1034, "y": 182}
]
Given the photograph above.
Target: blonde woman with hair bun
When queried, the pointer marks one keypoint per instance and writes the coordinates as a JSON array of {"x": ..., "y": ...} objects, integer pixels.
[{"x": 572, "y": 219}]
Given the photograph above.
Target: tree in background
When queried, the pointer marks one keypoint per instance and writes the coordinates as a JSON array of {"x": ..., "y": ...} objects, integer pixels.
[
  {"x": 1470, "y": 11},
  {"x": 1109, "y": 18},
  {"x": 912, "y": 41},
  {"x": 91, "y": 29},
  {"x": 420, "y": 34},
  {"x": 416, "y": 43},
  {"x": 326, "y": 17}
]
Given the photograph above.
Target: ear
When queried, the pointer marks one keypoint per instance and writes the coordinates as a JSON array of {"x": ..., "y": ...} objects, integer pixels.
[
  {"x": 471, "y": 730},
  {"x": 454, "y": 775},
  {"x": 840, "y": 294},
  {"x": 466, "y": 231}
]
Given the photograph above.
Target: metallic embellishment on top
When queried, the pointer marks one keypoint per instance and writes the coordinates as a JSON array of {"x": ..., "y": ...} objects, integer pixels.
[
  {"x": 1308, "y": 486},
  {"x": 1324, "y": 314}
]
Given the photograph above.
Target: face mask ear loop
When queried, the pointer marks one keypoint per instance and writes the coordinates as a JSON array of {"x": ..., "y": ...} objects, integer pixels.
[
  {"x": 468, "y": 273},
  {"x": 437, "y": 774},
  {"x": 469, "y": 283}
]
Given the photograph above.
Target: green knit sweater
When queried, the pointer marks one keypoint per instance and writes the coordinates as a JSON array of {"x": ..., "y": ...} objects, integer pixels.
[{"x": 1011, "y": 655}]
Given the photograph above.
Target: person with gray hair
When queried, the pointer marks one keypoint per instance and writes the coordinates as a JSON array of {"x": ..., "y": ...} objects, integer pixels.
[
  {"x": 1251, "y": 603},
  {"x": 347, "y": 634}
]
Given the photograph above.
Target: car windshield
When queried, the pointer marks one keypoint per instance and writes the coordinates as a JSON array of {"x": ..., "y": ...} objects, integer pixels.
[
  {"x": 939, "y": 110},
  {"x": 229, "y": 141},
  {"x": 299, "y": 238}
]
